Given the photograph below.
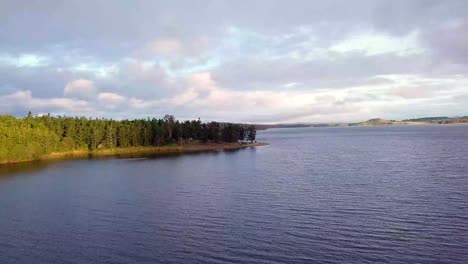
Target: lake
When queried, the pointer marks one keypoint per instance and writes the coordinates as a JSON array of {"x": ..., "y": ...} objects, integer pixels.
[{"x": 316, "y": 195}]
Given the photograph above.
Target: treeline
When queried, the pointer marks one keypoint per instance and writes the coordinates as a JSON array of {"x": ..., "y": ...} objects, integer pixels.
[
  {"x": 463, "y": 120},
  {"x": 440, "y": 120},
  {"x": 33, "y": 137}
]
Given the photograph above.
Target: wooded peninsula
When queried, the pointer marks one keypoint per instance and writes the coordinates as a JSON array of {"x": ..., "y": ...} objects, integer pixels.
[{"x": 42, "y": 137}]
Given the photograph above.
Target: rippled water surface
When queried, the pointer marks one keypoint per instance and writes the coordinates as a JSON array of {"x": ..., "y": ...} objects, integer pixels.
[{"x": 315, "y": 195}]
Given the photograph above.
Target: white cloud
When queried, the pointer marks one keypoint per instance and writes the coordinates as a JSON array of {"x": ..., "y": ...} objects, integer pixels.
[
  {"x": 80, "y": 88},
  {"x": 461, "y": 98},
  {"x": 110, "y": 100},
  {"x": 24, "y": 60},
  {"x": 23, "y": 100},
  {"x": 374, "y": 43},
  {"x": 203, "y": 96},
  {"x": 99, "y": 70}
]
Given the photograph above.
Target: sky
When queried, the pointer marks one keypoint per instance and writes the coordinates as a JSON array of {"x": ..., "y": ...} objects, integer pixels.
[{"x": 262, "y": 61}]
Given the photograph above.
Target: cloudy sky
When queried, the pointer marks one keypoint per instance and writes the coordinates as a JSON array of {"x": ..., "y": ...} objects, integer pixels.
[{"x": 248, "y": 61}]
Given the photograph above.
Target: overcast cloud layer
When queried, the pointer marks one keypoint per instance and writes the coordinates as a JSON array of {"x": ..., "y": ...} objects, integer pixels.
[{"x": 248, "y": 61}]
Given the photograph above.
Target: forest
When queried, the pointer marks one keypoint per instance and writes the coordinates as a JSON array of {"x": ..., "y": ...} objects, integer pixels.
[{"x": 33, "y": 137}]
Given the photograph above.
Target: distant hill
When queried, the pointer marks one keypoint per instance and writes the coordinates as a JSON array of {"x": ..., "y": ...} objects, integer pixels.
[
  {"x": 374, "y": 122},
  {"x": 414, "y": 121}
]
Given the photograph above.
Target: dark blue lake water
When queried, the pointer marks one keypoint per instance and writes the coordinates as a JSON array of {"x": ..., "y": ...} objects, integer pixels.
[{"x": 315, "y": 195}]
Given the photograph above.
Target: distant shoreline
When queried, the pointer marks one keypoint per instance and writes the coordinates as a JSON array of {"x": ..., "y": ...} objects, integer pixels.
[
  {"x": 410, "y": 124},
  {"x": 187, "y": 148},
  {"x": 369, "y": 123}
]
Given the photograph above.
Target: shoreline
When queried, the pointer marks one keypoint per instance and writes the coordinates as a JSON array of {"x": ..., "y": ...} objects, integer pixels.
[
  {"x": 411, "y": 124},
  {"x": 367, "y": 125},
  {"x": 117, "y": 152}
]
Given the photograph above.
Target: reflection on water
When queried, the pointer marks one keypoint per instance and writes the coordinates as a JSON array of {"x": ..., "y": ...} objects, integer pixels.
[
  {"x": 8, "y": 170},
  {"x": 23, "y": 168}
]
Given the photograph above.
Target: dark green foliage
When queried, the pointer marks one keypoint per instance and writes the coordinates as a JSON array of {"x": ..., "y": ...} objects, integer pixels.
[
  {"x": 25, "y": 139},
  {"x": 251, "y": 133},
  {"x": 32, "y": 137}
]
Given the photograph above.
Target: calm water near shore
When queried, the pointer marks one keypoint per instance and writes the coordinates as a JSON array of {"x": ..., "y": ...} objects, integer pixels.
[{"x": 316, "y": 195}]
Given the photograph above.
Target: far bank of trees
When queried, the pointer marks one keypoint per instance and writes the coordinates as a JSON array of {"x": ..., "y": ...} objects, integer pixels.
[
  {"x": 463, "y": 120},
  {"x": 32, "y": 137}
]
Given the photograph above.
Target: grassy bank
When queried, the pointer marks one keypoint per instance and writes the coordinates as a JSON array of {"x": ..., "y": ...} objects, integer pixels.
[{"x": 115, "y": 152}]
